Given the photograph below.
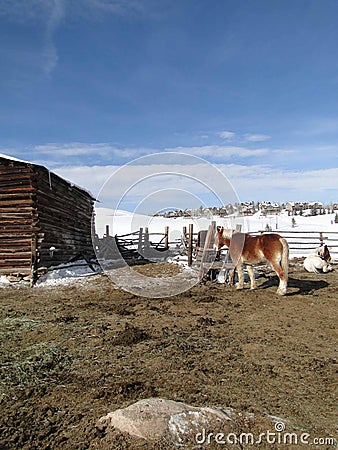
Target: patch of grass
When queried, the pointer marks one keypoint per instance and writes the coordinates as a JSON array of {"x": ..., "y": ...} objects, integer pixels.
[
  {"x": 39, "y": 362},
  {"x": 12, "y": 325}
]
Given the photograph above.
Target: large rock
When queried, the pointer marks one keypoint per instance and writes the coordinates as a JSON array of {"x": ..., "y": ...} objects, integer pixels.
[{"x": 157, "y": 418}]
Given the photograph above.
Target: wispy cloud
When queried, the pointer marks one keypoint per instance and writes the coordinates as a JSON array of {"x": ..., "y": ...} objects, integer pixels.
[
  {"x": 48, "y": 15},
  {"x": 250, "y": 179},
  {"x": 73, "y": 149},
  {"x": 258, "y": 182},
  {"x": 265, "y": 182},
  {"x": 228, "y": 135},
  {"x": 239, "y": 137},
  {"x": 106, "y": 151},
  {"x": 78, "y": 148},
  {"x": 100, "y": 151},
  {"x": 114, "y": 6},
  {"x": 96, "y": 10},
  {"x": 317, "y": 126},
  {"x": 45, "y": 13},
  {"x": 50, "y": 56},
  {"x": 256, "y": 137},
  {"x": 23, "y": 12},
  {"x": 219, "y": 151}
]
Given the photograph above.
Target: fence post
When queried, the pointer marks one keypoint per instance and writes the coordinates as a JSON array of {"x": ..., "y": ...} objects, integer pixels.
[
  {"x": 166, "y": 237},
  {"x": 146, "y": 238},
  {"x": 140, "y": 241},
  {"x": 107, "y": 230},
  {"x": 190, "y": 239},
  {"x": 34, "y": 260},
  {"x": 207, "y": 248},
  {"x": 321, "y": 238}
]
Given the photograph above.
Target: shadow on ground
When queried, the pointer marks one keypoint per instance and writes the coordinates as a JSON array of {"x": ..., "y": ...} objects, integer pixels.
[{"x": 304, "y": 287}]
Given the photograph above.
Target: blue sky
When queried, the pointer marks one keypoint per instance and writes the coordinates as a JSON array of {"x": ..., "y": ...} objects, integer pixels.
[{"x": 250, "y": 86}]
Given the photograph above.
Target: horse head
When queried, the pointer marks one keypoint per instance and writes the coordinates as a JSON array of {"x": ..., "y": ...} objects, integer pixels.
[
  {"x": 326, "y": 254},
  {"x": 222, "y": 237},
  {"x": 323, "y": 252}
]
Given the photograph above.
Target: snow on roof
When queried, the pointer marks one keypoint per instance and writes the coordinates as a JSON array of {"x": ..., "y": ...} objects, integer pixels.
[{"x": 12, "y": 158}]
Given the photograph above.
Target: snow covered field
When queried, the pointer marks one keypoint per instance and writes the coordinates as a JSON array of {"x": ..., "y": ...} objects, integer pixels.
[
  {"x": 122, "y": 222},
  {"x": 295, "y": 228}
]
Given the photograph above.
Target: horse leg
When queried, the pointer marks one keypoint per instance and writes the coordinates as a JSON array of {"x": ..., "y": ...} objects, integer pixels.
[
  {"x": 232, "y": 277},
  {"x": 282, "y": 278},
  {"x": 240, "y": 284},
  {"x": 252, "y": 277}
]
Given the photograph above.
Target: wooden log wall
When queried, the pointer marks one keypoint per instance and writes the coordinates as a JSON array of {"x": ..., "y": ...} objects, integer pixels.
[
  {"x": 65, "y": 219},
  {"x": 17, "y": 219}
]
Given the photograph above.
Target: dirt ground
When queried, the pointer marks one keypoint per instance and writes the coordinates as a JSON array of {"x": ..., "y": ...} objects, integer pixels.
[{"x": 72, "y": 353}]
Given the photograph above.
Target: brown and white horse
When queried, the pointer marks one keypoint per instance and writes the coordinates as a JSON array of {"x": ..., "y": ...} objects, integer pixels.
[{"x": 250, "y": 250}]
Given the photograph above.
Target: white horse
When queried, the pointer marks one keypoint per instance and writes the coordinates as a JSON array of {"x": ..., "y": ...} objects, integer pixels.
[{"x": 318, "y": 261}]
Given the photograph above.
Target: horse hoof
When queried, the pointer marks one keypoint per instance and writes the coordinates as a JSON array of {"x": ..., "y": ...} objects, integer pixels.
[{"x": 281, "y": 292}]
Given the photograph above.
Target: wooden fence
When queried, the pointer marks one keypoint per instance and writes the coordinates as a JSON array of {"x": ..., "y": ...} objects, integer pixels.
[
  {"x": 301, "y": 243},
  {"x": 140, "y": 246},
  {"x": 135, "y": 247}
]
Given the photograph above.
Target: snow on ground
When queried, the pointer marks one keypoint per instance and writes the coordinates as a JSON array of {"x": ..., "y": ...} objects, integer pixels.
[
  {"x": 63, "y": 274},
  {"x": 4, "y": 280},
  {"x": 123, "y": 222},
  {"x": 283, "y": 222},
  {"x": 68, "y": 271}
]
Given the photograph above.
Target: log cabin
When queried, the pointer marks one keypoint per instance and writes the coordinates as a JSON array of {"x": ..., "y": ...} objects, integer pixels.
[{"x": 44, "y": 219}]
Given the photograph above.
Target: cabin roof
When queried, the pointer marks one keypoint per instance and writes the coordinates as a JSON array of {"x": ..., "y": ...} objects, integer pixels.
[{"x": 22, "y": 162}]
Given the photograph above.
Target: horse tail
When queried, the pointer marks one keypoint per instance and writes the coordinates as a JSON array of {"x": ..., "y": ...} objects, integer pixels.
[{"x": 285, "y": 257}]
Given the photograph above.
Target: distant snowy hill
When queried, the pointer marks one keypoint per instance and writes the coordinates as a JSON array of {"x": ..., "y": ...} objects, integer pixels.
[
  {"x": 124, "y": 222},
  {"x": 121, "y": 221}
]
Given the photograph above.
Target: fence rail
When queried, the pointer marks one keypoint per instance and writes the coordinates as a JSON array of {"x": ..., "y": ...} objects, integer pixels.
[
  {"x": 302, "y": 242},
  {"x": 134, "y": 247},
  {"x": 138, "y": 244}
]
